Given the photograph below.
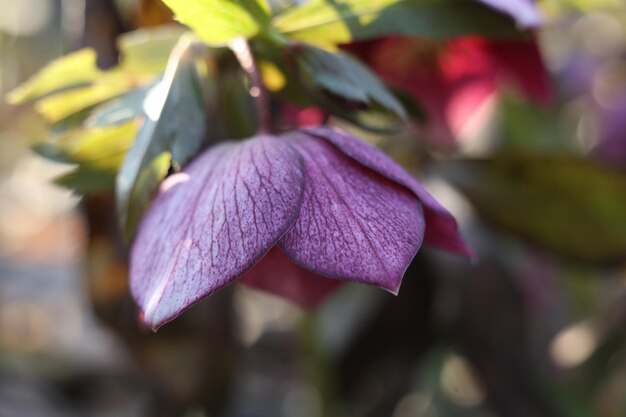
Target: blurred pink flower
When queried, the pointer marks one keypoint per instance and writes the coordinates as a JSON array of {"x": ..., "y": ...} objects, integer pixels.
[{"x": 309, "y": 203}]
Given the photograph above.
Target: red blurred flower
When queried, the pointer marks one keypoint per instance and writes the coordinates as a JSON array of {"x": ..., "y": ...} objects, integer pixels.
[{"x": 453, "y": 79}]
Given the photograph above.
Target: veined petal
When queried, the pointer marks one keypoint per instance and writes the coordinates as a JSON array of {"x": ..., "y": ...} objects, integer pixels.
[
  {"x": 525, "y": 12},
  {"x": 277, "y": 274},
  {"x": 441, "y": 227},
  {"x": 354, "y": 224},
  {"x": 212, "y": 222}
]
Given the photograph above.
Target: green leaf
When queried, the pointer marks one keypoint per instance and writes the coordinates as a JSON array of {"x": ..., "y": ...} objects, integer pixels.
[
  {"x": 75, "y": 69},
  {"x": 174, "y": 128},
  {"x": 236, "y": 107},
  {"x": 570, "y": 205},
  {"x": 57, "y": 107},
  {"x": 344, "y": 86},
  {"x": 146, "y": 51},
  {"x": 121, "y": 110},
  {"x": 325, "y": 22},
  {"x": 219, "y": 21},
  {"x": 97, "y": 148},
  {"x": 84, "y": 181},
  {"x": 73, "y": 85}
]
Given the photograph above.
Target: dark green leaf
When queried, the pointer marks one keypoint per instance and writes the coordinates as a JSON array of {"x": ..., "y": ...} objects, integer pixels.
[
  {"x": 174, "y": 128},
  {"x": 329, "y": 22},
  {"x": 84, "y": 181},
  {"x": 219, "y": 21},
  {"x": 237, "y": 110},
  {"x": 344, "y": 86},
  {"x": 570, "y": 205}
]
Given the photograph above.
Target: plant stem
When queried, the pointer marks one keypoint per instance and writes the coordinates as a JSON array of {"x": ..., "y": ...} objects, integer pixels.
[
  {"x": 317, "y": 363},
  {"x": 241, "y": 48}
]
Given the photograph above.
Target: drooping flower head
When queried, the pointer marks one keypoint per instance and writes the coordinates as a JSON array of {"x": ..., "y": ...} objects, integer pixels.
[{"x": 315, "y": 202}]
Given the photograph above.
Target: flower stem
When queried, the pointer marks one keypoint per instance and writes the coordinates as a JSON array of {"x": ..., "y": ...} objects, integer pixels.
[
  {"x": 317, "y": 364},
  {"x": 241, "y": 48}
]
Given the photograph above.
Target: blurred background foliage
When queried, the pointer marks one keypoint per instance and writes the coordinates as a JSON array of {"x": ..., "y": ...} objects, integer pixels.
[{"x": 536, "y": 328}]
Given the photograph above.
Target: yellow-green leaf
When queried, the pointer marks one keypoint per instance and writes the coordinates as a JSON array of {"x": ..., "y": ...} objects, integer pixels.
[
  {"x": 145, "y": 51},
  {"x": 72, "y": 70},
  {"x": 329, "y": 23},
  {"x": 219, "y": 21},
  {"x": 97, "y": 148},
  {"x": 61, "y": 105}
]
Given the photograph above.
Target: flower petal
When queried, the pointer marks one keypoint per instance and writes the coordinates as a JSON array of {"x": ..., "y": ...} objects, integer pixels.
[
  {"x": 354, "y": 224},
  {"x": 277, "y": 274},
  {"x": 441, "y": 227},
  {"x": 212, "y": 222},
  {"x": 525, "y": 12}
]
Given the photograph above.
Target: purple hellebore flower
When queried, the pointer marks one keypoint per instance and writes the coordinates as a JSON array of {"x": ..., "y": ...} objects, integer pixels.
[{"x": 335, "y": 206}]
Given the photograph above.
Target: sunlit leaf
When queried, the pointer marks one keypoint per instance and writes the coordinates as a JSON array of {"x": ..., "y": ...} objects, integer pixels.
[
  {"x": 73, "y": 84},
  {"x": 59, "y": 106},
  {"x": 174, "y": 128},
  {"x": 92, "y": 148},
  {"x": 219, "y": 21},
  {"x": 332, "y": 22},
  {"x": 344, "y": 86},
  {"x": 72, "y": 70},
  {"x": 145, "y": 51},
  {"x": 572, "y": 206}
]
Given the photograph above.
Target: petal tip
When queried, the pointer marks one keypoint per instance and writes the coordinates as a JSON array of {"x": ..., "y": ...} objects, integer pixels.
[{"x": 392, "y": 287}]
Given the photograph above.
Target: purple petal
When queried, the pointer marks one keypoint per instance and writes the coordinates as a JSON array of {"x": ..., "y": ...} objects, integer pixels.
[
  {"x": 277, "y": 274},
  {"x": 525, "y": 12},
  {"x": 441, "y": 227},
  {"x": 212, "y": 222},
  {"x": 354, "y": 224}
]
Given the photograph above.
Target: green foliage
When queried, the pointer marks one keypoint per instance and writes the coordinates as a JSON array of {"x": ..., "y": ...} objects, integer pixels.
[
  {"x": 94, "y": 114},
  {"x": 344, "y": 86},
  {"x": 85, "y": 181},
  {"x": 75, "y": 69},
  {"x": 570, "y": 205},
  {"x": 145, "y": 51},
  {"x": 97, "y": 153},
  {"x": 60, "y": 106},
  {"x": 331, "y": 22},
  {"x": 174, "y": 130},
  {"x": 101, "y": 148},
  {"x": 219, "y": 21},
  {"x": 235, "y": 105},
  {"x": 73, "y": 84},
  {"x": 120, "y": 110}
]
